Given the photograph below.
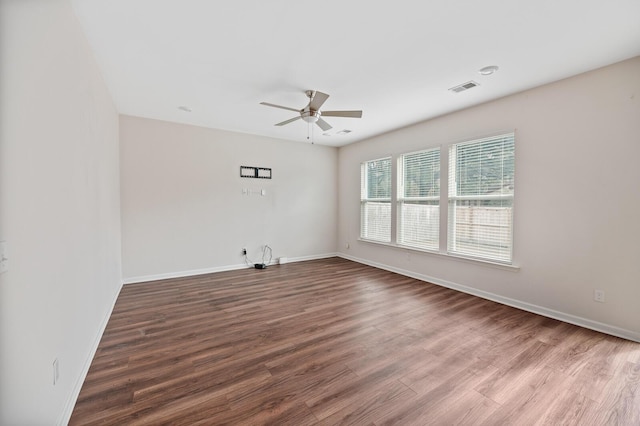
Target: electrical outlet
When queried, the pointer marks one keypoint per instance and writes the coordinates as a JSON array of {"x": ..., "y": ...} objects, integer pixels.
[
  {"x": 598, "y": 296},
  {"x": 244, "y": 251},
  {"x": 56, "y": 371}
]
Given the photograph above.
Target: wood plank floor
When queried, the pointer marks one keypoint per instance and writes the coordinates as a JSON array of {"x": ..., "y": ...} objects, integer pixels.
[{"x": 335, "y": 342}]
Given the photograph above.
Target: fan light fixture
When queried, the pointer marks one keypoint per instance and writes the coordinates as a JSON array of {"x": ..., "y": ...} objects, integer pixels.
[{"x": 310, "y": 116}]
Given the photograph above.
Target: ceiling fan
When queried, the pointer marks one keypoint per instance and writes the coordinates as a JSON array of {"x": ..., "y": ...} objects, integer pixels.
[{"x": 312, "y": 114}]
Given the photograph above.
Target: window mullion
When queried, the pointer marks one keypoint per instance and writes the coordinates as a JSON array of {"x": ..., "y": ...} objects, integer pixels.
[
  {"x": 444, "y": 198},
  {"x": 394, "y": 194}
]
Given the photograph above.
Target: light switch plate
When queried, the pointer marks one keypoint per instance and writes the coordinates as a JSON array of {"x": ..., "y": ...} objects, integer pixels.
[{"x": 4, "y": 257}]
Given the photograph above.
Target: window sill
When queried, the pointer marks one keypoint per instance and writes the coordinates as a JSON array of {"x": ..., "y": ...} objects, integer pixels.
[{"x": 448, "y": 256}]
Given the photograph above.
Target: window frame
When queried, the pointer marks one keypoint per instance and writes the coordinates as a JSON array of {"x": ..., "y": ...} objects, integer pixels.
[
  {"x": 402, "y": 200},
  {"x": 452, "y": 204},
  {"x": 366, "y": 199},
  {"x": 445, "y": 200}
]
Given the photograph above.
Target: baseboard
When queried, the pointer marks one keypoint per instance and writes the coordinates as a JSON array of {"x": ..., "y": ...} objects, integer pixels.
[
  {"x": 312, "y": 257},
  {"x": 71, "y": 402},
  {"x": 183, "y": 274},
  {"x": 193, "y": 272},
  {"x": 540, "y": 310}
]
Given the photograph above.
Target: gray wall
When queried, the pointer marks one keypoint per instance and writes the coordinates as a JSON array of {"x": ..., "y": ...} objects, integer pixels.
[
  {"x": 576, "y": 202},
  {"x": 183, "y": 207}
]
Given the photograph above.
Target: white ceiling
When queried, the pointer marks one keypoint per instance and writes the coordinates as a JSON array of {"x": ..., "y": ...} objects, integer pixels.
[{"x": 394, "y": 60}]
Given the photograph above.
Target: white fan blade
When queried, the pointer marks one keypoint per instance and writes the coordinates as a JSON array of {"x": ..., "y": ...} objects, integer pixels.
[
  {"x": 323, "y": 124},
  {"x": 350, "y": 114},
  {"x": 291, "y": 120},
  {"x": 279, "y": 106},
  {"x": 318, "y": 99}
]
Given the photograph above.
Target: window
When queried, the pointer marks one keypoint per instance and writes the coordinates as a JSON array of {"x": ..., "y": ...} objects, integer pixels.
[
  {"x": 375, "y": 200},
  {"x": 481, "y": 187},
  {"x": 419, "y": 199},
  {"x": 465, "y": 211}
]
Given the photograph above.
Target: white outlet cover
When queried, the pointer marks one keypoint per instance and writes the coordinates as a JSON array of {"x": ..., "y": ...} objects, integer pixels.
[{"x": 598, "y": 295}]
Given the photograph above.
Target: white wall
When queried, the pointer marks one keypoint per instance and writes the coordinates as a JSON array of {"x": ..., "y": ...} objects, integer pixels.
[
  {"x": 577, "y": 198},
  {"x": 59, "y": 209},
  {"x": 183, "y": 210}
]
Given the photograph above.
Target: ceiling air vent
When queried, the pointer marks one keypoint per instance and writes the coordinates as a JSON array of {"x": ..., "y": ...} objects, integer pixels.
[{"x": 464, "y": 86}]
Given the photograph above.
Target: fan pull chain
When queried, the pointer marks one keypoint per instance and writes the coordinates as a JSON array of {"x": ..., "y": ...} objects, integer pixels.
[{"x": 310, "y": 133}]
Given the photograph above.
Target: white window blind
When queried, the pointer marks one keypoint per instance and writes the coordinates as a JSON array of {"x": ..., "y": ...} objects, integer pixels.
[
  {"x": 481, "y": 188},
  {"x": 419, "y": 199},
  {"x": 375, "y": 200}
]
